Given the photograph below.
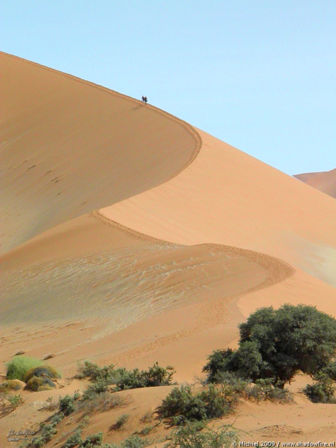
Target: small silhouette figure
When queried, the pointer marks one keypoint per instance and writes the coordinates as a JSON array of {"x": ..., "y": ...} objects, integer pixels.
[{"x": 144, "y": 99}]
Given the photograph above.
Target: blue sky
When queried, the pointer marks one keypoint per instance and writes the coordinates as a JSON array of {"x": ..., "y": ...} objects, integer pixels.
[{"x": 258, "y": 74}]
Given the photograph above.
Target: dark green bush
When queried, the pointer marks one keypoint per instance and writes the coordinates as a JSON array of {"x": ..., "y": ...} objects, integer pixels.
[
  {"x": 329, "y": 371},
  {"x": 67, "y": 405},
  {"x": 46, "y": 434},
  {"x": 73, "y": 441},
  {"x": 94, "y": 372},
  {"x": 182, "y": 405},
  {"x": 123, "y": 378},
  {"x": 321, "y": 392},
  {"x": 41, "y": 372},
  {"x": 275, "y": 344},
  {"x": 133, "y": 442},
  {"x": 192, "y": 436},
  {"x": 93, "y": 441},
  {"x": 98, "y": 387}
]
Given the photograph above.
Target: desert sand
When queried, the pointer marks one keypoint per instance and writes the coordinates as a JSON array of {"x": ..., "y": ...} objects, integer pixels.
[
  {"x": 129, "y": 236},
  {"x": 324, "y": 181}
]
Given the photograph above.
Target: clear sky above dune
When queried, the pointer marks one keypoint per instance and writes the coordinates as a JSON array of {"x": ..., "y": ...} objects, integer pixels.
[{"x": 258, "y": 74}]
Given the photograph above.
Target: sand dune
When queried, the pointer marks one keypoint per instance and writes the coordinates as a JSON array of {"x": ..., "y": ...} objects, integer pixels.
[
  {"x": 324, "y": 181},
  {"x": 196, "y": 234},
  {"x": 69, "y": 147},
  {"x": 98, "y": 269},
  {"x": 228, "y": 197}
]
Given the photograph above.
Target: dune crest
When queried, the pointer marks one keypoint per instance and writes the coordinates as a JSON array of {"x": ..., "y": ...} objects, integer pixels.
[{"x": 70, "y": 146}]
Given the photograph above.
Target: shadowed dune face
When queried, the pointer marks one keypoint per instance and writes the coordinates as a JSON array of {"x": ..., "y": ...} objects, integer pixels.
[
  {"x": 68, "y": 147},
  {"x": 324, "y": 181},
  {"x": 90, "y": 268}
]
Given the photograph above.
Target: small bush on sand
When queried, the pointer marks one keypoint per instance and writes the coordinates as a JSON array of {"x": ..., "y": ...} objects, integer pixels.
[
  {"x": 41, "y": 372},
  {"x": 154, "y": 376},
  {"x": 46, "y": 434},
  {"x": 321, "y": 392},
  {"x": 93, "y": 441},
  {"x": 98, "y": 387},
  {"x": 120, "y": 423},
  {"x": 75, "y": 440},
  {"x": 192, "y": 436},
  {"x": 92, "y": 371},
  {"x": 264, "y": 390},
  {"x": 37, "y": 384},
  {"x": 11, "y": 385},
  {"x": 182, "y": 405},
  {"x": 67, "y": 405},
  {"x": 134, "y": 442},
  {"x": 126, "y": 379},
  {"x": 19, "y": 366},
  {"x": 15, "y": 400}
]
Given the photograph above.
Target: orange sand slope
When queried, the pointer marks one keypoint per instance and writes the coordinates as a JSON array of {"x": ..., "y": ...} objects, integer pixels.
[
  {"x": 121, "y": 275},
  {"x": 68, "y": 146},
  {"x": 324, "y": 181},
  {"x": 173, "y": 267},
  {"x": 228, "y": 197},
  {"x": 196, "y": 236}
]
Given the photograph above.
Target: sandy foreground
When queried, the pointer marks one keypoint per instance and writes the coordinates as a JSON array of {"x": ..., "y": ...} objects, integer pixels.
[{"x": 128, "y": 236}]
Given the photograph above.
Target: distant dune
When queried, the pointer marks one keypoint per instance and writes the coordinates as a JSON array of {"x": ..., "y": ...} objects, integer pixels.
[
  {"x": 324, "y": 181},
  {"x": 129, "y": 236}
]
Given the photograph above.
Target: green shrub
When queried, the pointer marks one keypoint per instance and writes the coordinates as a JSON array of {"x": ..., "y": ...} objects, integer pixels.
[
  {"x": 192, "y": 436},
  {"x": 37, "y": 384},
  {"x": 56, "y": 418},
  {"x": 67, "y": 405},
  {"x": 146, "y": 430},
  {"x": 276, "y": 344},
  {"x": 123, "y": 378},
  {"x": 181, "y": 405},
  {"x": 329, "y": 371},
  {"x": 98, "y": 387},
  {"x": 93, "y": 441},
  {"x": 41, "y": 372},
  {"x": 237, "y": 384},
  {"x": 47, "y": 433},
  {"x": 10, "y": 385},
  {"x": 321, "y": 392},
  {"x": 15, "y": 400},
  {"x": 158, "y": 376},
  {"x": 265, "y": 390},
  {"x": 94, "y": 372},
  {"x": 120, "y": 423},
  {"x": 74, "y": 440},
  {"x": 133, "y": 442},
  {"x": 19, "y": 366}
]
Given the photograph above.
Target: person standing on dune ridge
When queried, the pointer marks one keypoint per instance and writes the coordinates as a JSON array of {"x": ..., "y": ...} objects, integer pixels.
[{"x": 144, "y": 99}]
